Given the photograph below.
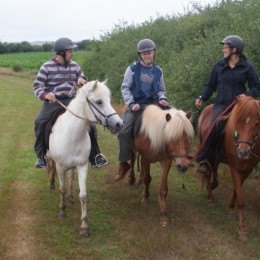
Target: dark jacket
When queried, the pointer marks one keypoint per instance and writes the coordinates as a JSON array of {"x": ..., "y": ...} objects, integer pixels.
[{"x": 229, "y": 83}]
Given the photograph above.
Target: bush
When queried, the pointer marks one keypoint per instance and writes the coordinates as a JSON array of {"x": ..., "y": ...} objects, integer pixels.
[{"x": 17, "y": 68}]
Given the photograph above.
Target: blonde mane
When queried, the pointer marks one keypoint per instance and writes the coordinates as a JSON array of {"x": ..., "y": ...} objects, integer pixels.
[{"x": 160, "y": 131}]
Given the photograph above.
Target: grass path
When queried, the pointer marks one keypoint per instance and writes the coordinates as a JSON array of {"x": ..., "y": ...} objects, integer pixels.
[{"x": 121, "y": 227}]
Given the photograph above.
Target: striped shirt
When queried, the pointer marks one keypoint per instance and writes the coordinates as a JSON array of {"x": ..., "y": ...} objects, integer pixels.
[{"x": 54, "y": 77}]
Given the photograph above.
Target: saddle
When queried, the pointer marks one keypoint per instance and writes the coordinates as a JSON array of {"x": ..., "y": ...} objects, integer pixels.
[{"x": 47, "y": 128}]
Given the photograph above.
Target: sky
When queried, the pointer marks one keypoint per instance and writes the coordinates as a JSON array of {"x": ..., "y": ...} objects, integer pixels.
[{"x": 48, "y": 20}]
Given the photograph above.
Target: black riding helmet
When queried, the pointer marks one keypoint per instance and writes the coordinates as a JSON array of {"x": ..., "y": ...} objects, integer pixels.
[
  {"x": 234, "y": 41},
  {"x": 145, "y": 45},
  {"x": 63, "y": 44}
]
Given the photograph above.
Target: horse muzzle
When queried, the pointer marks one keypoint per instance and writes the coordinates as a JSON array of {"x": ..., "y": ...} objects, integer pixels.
[
  {"x": 243, "y": 151},
  {"x": 115, "y": 127}
]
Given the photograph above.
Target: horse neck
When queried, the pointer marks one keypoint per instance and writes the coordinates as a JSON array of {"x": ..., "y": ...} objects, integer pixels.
[{"x": 80, "y": 108}]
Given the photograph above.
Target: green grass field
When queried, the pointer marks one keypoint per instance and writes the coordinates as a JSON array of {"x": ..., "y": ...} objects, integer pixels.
[
  {"x": 32, "y": 61},
  {"x": 121, "y": 226}
]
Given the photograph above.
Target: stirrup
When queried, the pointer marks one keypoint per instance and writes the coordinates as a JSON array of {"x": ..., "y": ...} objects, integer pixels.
[
  {"x": 202, "y": 168},
  {"x": 103, "y": 162}
]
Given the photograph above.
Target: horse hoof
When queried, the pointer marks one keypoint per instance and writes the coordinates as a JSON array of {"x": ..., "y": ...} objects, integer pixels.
[
  {"x": 164, "y": 221},
  {"x": 70, "y": 200},
  {"x": 131, "y": 181},
  {"x": 145, "y": 201},
  {"x": 62, "y": 214},
  {"x": 210, "y": 203},
  {"x": 84, "y": 232},
  {"x": 243, "y": 237}
]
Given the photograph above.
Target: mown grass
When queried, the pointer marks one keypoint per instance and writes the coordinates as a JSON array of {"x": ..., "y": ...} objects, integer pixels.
[{"x": 121, "y": 226}]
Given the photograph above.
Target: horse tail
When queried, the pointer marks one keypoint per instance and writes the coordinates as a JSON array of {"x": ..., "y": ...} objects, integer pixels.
[{"x": 52, "y": 172}]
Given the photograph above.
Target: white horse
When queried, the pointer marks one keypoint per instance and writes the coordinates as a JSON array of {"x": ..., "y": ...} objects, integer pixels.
[{"x": 69, "y": 142}]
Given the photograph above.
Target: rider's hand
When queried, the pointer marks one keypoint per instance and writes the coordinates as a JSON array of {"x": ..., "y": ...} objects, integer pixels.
[
  {"x": 198, "y": 102},
  {"x": 50, "y": 97},
  {"x": 135, "y": 107},
  {"x": 81, "y": 82},
  {"x": 163, "y": 102}
]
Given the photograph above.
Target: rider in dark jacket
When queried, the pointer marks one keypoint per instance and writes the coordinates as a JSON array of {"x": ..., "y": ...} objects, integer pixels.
[{"x": 230, "y": 77}]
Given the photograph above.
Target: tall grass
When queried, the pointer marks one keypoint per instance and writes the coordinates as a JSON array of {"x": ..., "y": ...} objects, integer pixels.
[{"x": 121, "y": 226}]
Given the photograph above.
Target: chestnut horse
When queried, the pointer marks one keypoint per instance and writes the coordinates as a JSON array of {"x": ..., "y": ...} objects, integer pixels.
[
  {"x": 164, "y": 137},
  {"x": 240, "y": 146}
]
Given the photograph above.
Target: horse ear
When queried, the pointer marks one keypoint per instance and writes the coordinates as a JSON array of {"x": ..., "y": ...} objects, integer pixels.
[
  {"x": 94, "y": 85},
  {"x": 189, "y": 114},
  {"x": 105, "y": 82},
  {"x": 168, "y": 117}
]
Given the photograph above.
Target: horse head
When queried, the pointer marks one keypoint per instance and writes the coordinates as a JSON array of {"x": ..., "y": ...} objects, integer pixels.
[
  {"x": 245, "y": 121},
  {"x": 98, "y": 108},
  {"x": 179, "y": 145}
]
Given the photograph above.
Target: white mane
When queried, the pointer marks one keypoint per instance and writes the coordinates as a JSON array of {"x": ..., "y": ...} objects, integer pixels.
[{"x": 160, "y": 131}]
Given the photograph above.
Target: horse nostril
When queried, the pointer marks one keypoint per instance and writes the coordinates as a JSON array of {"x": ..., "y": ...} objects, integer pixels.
[{"x": 119, "y": 125}]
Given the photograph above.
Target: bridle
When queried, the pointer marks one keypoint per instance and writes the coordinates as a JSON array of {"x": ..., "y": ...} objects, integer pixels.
[
  {"x": 250, "y": 144},
  {"x": 91, "y": 105}
]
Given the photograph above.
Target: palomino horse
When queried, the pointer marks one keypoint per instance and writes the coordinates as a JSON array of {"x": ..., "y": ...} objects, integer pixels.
[
  {"x": 164, "y": 137},
  {"x": 241, "y": 147},
  {"x": 69, "y": 142}
]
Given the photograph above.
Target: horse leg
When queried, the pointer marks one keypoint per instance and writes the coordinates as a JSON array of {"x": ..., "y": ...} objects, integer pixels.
[
  {"x": 207, "y": 179},
  {"x": 132, "y": 165},
  {"x": 70, "y": 198},
  {"x": 238, "y": 180},
  {"x": 211, "y": 179},
  {"x": 52, "y": 172},
  {"x": 165, "y": 167},
  {"x": 145, "y": 172},
  {"x": 82, "y": 178},
  {"x": 232, "y": 203},
  {"x": 62, "y": 189}
]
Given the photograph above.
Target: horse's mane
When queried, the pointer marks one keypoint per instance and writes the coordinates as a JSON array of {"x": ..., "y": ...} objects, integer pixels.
[
  {"x": 244, "y": 108},
  {"x": 100, "y": 91},
  {"x": 160, "y": 131}
]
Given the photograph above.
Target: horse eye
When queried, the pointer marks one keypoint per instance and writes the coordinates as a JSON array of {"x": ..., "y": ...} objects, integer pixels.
[{"x": 99, "y": 102}]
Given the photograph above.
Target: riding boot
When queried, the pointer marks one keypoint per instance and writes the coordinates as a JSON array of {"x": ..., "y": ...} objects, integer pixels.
[
  {"x": 207, "y": 147},
  {"x": 122, "y": 171}
]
